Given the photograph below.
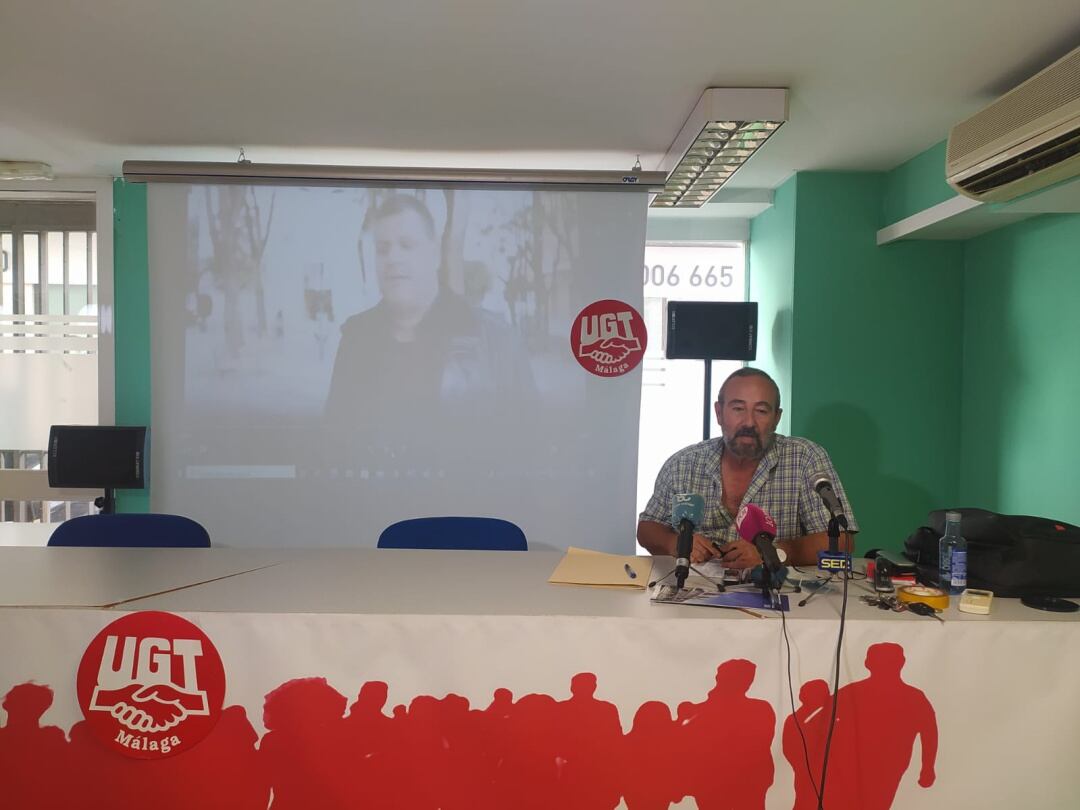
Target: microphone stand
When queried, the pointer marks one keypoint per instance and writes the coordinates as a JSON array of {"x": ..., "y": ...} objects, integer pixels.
[
  {"x": 720, "y": 587},
  {"x": 686, "y": 526},
  {"x": 834, "y": 533},
  {"x": 772, "y": 570}
]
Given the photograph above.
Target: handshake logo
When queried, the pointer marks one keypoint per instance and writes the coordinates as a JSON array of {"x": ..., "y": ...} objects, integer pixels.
[
  {"x": 608, "y": 338},
  {"x": 151, "y": 683}
]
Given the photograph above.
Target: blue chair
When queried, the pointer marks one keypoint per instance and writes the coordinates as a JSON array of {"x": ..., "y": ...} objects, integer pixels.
[
  {"x": 472, "y": 533},
  {"x": 131, "y": 531}
]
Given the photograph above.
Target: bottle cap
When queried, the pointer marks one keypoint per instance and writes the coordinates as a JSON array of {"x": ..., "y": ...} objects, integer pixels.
[{"x": 952, "y": 517}]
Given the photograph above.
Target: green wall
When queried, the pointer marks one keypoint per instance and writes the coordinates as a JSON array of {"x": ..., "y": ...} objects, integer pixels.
[
  {"x": 915, "y": 185},
  {"x": 875, "y": 345},
  {"x": 771, "y": 273},
  {"x": 131, "y": 295},
  {"x": 1020, "y": 439}
]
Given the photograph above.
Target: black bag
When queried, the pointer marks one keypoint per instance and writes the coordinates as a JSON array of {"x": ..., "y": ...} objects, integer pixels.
[{"x": 1011, "y": 555}]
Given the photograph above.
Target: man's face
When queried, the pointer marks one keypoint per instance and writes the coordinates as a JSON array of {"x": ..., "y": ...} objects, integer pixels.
[
  {"x": 748, "y": 416},
  {"x": 406, "y": 260}
]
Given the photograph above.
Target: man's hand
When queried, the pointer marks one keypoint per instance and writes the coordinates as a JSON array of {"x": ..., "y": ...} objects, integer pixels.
[
  {"x": 703, "y": 549},
  {"x": 739, "y": 554}
]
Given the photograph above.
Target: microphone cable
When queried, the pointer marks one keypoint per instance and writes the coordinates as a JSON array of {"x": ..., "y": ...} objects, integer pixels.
[
  {"x": 836, "y": 692},
  {"x": 794, "y": 711}
]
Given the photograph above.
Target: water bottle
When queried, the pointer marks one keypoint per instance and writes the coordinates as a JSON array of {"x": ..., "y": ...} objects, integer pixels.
[{"x": 952, "y": 556}]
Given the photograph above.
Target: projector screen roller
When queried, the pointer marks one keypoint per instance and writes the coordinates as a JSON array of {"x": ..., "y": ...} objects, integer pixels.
[{"x": 327, "y": 361}]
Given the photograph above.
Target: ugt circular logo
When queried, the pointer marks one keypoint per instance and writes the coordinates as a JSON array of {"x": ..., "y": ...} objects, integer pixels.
[
  {"x": 151, "y": 685},
  {"x": 608, "y": 338}
]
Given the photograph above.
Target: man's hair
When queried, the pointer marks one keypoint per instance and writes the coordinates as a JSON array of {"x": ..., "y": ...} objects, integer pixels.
[
  {"x": 399, "y": 204},
  {"x": 746, "y": 371}
]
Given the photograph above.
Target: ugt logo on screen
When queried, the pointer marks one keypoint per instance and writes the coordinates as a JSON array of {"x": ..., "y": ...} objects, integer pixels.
[
  {"x": 608, "y": 338},
  {"x": 151, "y": 684}
]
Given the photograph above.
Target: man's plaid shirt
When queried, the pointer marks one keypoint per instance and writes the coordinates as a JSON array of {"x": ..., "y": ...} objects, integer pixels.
[{"x": 782, "y": 485}]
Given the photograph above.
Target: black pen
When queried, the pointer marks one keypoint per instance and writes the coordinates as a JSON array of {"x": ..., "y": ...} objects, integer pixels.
[{"x": 630, "y": 572}]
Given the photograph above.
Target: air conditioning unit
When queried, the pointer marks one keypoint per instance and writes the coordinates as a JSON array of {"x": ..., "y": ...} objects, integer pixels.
[{"x": 1026, "y": 140}]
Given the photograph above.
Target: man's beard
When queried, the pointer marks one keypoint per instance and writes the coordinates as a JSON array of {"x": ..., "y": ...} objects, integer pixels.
[{"x": 756, "y": 451}]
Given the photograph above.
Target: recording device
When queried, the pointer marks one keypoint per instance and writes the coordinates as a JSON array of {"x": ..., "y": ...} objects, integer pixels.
[
  {"x": 882, "y": 578},
  {"x": 823, "y": 487},
  {"x": 887, "y": 566},
  {"x": 687, "y": 512},
  {"x": 757, "y": 526},
  {"x": 711, "y": 330}
]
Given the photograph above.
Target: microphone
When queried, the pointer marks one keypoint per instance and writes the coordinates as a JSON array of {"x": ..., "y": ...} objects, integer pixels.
[
  {"x": 687, "y": 512},
  {"x": 757, "y": 526},
  {"x": 823, "y": 487}
]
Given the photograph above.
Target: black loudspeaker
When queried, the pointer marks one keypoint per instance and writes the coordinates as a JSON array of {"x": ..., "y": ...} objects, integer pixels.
[
  {"x": 712, "y": 330},
  {"x": 98, "y": 456}
]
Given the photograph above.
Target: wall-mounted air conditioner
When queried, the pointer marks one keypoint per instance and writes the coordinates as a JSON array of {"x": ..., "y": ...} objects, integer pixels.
[{"x": 1026, "y": 140}]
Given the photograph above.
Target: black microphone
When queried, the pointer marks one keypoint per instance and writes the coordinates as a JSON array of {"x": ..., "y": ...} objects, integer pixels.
[
  {"x": 683, "y": 546},
  {"x": 823, "y": 487},
  {"x": 763, "y": 542},
  {"x": 687, "y": 512}
]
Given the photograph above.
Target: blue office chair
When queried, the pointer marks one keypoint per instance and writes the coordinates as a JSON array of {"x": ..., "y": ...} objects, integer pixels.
[
  {"x": 473, "y": 533},
  {"x": 131, "y": 531}
]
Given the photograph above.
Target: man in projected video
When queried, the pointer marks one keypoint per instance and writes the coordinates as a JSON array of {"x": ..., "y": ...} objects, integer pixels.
[{"x": 422, "y": 345}]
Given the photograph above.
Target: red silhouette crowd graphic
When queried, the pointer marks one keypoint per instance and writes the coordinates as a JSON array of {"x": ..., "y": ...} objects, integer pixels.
[{"x": 528, "y": 752}]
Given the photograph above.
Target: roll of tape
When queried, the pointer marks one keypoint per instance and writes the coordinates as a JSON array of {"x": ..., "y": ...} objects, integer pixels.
[{"x": 938, "y": 600}]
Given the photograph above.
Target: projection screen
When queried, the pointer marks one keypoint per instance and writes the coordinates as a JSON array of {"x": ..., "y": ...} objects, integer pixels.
[{"x": 327, "y": 361}]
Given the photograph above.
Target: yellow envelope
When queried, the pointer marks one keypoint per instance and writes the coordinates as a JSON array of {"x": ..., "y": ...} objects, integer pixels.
[{"x": 582, "y": 566}]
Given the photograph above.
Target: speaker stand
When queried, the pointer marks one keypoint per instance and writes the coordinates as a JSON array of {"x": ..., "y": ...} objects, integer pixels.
[
  {"x": 106, "y": 503},
  {"x": 706, "y": 422}
]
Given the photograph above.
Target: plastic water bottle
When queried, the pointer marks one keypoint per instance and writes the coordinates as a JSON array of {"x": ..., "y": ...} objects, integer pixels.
[{"x": 952, "y": 556}]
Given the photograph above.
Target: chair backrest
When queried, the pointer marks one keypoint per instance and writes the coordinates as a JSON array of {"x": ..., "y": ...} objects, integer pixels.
[
  {"x": 473, "y": 533},
  {"x": 131, "y": 531}
]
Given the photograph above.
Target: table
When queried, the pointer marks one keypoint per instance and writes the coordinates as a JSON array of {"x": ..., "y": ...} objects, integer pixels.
[{"x": 489, "y": 700}]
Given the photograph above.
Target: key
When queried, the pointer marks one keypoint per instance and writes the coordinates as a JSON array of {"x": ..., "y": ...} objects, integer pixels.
[{"x": 923, "y": 609}]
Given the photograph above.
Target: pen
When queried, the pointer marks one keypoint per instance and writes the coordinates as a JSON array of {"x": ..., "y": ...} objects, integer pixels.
[
  {"x": 753, "y": 613},
  {"x": 630, "y": 572}
]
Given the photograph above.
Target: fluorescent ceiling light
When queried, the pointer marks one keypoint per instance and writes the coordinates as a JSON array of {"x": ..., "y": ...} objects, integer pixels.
[
  {"x": 726, "y": 128},
  {"x": 25, "y": 170}
]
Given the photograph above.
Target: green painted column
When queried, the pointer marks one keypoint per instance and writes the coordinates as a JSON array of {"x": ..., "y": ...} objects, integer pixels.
[{"x": 131, "y": 319}]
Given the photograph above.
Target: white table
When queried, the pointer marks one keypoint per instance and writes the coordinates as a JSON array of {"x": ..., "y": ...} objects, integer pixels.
[{"x": 468, "y": 623}]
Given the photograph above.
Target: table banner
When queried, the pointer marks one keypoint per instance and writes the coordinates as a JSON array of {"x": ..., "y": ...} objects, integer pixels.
[{"x": 129, "y": 710}]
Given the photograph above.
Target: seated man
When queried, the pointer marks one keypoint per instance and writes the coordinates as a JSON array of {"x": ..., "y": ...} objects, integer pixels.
[{"x": 749, "y": 464}]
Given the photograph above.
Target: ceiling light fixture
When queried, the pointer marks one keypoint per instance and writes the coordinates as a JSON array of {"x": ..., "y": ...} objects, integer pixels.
[
  {"x": 726, "y": 128},
  {"x": 25, "y": 170}
]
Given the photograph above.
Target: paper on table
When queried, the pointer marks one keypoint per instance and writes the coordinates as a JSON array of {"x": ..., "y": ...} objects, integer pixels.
[{"x": 581, "y": 566}]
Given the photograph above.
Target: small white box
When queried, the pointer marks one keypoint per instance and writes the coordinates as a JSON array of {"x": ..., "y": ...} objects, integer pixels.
[{"x": 972, "y": 600}]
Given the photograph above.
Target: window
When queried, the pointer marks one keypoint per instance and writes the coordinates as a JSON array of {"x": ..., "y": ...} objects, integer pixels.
[
  {"x": 48, "y": 346},
  {"x": 672, "y": 391}
]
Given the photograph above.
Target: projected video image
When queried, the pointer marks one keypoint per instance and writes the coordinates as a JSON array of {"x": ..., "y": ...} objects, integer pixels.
[{"x": 313, "y": 308}]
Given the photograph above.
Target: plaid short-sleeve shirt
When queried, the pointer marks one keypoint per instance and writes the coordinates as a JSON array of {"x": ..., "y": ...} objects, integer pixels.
[{"x": 782, "y": 485}]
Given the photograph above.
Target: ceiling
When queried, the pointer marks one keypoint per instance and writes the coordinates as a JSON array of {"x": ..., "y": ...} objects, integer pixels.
[{"x": 563, "y": 84}]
